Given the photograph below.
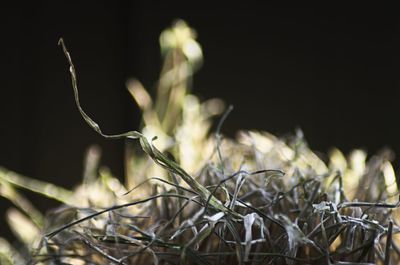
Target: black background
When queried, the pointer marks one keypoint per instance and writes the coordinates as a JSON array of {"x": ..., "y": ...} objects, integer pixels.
[{"x": 334, "y": 72}]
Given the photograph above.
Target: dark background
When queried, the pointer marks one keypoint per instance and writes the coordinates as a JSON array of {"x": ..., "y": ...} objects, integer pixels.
[{"x": 332, "y": 72}]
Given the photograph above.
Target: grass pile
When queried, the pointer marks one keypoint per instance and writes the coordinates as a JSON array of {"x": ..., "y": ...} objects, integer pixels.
[{"x": 195, "y": 197}]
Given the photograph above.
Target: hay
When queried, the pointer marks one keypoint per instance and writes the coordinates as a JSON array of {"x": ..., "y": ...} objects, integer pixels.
[{"x": 198, "y": 198}]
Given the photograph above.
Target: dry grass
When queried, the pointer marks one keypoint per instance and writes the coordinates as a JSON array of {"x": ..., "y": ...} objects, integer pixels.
[{"x": 195, "y": 197}]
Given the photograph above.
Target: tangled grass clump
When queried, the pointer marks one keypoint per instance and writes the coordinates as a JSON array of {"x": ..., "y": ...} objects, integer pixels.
[{"x": 198, "y": 198}]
